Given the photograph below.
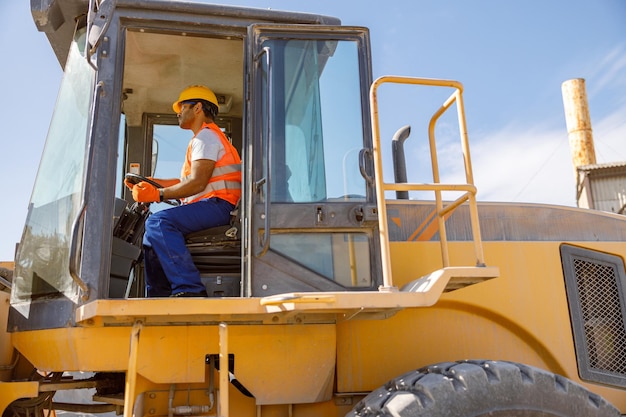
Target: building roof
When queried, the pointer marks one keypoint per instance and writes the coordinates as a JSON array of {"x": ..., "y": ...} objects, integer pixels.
[{"x": 605, "y": 169}]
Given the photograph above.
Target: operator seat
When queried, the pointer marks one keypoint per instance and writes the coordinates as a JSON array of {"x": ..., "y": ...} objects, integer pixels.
[{"x": 216, "y": 252}]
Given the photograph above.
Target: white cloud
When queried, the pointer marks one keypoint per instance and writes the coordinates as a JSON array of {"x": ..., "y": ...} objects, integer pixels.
[
  {"x": 523, "y": 163},
  {"x": 610, "y": 136},
  {"x": 535, "y": 165},
  {"x": 525, "y": 166},
  {"x": 608, "y": 73}
]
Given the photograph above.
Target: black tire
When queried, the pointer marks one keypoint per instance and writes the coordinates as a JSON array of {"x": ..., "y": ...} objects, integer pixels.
[{"x": 482, "y": 388}]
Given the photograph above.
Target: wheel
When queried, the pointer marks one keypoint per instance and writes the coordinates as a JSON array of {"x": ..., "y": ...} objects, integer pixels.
[{"x": 482, "y": 388}]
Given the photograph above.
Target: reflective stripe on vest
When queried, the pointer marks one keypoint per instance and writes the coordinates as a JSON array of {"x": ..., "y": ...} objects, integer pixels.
[
  {"x": 223, "y": 185},
  {"x": 226, "y": 169}
]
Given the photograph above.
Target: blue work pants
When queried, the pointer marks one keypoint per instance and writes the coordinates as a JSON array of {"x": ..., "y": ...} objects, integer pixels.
[{"x": 169, "y": 268}]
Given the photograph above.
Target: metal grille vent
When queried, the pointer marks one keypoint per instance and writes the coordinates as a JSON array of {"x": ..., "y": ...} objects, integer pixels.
[{"x": 595, "y": 286}]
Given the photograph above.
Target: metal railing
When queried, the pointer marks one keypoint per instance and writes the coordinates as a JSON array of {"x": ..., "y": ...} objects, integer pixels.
[{"x": 468, "y": 188}]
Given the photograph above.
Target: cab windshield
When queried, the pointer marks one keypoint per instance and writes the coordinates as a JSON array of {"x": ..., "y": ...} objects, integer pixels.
[{"x": 42, "y": 261}]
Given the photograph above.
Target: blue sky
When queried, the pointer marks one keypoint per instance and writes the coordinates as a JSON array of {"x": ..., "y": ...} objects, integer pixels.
[{"x": 511, "y": 57}]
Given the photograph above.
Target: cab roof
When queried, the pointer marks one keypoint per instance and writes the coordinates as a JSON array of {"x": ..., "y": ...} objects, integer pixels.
[{"x": 57, "y": 18}]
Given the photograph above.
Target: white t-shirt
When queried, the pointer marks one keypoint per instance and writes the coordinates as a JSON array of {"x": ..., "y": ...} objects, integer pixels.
[{"x": 206, "y": 145}]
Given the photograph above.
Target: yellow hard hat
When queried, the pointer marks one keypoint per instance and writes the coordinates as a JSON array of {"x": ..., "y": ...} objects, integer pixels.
[{"x": 195, "y": 92}]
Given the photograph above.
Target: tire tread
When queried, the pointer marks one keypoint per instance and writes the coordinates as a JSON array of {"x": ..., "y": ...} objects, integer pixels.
[{"x": 480, "y": 387}]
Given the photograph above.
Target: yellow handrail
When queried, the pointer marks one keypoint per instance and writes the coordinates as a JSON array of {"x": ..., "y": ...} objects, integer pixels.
[{"x": 437, "y": 187}]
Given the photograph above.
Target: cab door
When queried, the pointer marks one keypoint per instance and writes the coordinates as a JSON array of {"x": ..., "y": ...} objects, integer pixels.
[{"x": 310, "y": 208}]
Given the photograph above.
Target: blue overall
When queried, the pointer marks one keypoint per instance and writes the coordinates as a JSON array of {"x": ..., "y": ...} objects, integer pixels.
[{"x": 169, "y": 269}]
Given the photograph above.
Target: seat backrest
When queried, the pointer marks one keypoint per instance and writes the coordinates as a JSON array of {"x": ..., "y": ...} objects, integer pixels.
[{"x": 217, "y": 250}]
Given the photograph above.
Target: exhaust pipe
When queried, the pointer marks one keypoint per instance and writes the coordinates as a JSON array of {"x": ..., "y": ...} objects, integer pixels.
[{"x": 578, "y": 123}]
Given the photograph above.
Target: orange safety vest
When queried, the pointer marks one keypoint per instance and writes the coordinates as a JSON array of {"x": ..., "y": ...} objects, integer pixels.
[{"x": 225, "y": 182}]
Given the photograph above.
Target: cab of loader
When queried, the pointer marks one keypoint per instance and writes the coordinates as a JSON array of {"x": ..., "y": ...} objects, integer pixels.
[
  {"x": 297, "y": 99},
  {"x": 293, "y": 94}
]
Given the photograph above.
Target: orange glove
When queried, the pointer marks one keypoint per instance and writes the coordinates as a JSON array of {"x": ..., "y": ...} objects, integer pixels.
[
  {"x": 128, "y": 184},
  {"x": 145, "y": 193}
]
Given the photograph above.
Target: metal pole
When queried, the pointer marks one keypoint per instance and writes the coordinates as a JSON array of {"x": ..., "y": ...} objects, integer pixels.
[
  {"x": 223, "y": 409},
  {"x": 131, "y": 374},
  {"x": 578, "y": 122}
]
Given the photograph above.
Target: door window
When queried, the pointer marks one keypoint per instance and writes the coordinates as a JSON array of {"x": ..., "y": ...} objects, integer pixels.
[
  {"x": 310, "y": 130},
  {"x": 317, "y": 129}
]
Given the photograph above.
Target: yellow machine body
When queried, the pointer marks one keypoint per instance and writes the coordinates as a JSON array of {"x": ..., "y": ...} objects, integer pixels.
[{"x": 327, "y": 291}]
